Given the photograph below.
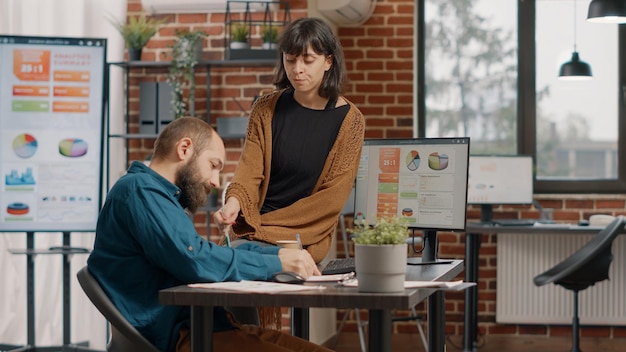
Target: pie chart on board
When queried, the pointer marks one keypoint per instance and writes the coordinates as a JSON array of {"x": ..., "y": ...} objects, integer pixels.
[
  {"x": 72, "y": 147},
  {"x": 24, "y": 145},
  {"x": 413, "y": 160},
  {"x": 17, "y": 208}
]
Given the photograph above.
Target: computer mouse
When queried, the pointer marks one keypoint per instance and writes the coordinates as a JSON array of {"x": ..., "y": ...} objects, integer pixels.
[{"x": 288, "y": 277}]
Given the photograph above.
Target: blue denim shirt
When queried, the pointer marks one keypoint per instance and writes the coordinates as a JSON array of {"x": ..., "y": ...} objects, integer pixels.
[{"x": 145, "y": 242}]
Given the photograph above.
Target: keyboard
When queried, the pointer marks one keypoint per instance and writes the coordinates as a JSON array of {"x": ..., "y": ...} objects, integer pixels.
[
  {"x": 339, "y": 266},
  {"x": 514, "y": 222}
]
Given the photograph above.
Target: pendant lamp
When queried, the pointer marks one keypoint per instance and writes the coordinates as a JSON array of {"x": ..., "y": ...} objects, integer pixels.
[
  {"x": 575, "y": 69},
  {"x": 607, "y": 11}
]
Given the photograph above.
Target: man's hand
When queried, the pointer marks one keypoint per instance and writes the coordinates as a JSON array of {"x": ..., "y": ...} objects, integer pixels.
[{"x": 298, "y": 261}]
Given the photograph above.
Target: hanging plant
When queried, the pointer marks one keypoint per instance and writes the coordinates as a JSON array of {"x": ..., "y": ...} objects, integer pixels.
[{"x": 186, "y": 52}]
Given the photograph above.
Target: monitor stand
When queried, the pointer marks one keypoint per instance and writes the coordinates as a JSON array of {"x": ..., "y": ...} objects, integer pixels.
[
  {"x": 486, "y": 213},
  {"x": 429, "y": 251}
]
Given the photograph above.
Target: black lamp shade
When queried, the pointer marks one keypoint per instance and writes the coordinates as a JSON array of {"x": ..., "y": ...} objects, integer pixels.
[
  {"x": 607, "y": 11},
  {"x": 575, "y": 69}
]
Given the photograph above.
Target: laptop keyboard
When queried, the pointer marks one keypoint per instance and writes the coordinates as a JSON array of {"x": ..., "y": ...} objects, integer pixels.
[{"x": 339, "y": 266}]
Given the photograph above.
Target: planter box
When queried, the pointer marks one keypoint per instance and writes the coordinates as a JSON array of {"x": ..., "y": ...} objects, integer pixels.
[{"x": 250, "y": 54}]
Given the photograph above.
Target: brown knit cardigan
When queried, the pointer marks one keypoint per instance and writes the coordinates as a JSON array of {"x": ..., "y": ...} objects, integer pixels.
[{"x": 313, "y": 217}]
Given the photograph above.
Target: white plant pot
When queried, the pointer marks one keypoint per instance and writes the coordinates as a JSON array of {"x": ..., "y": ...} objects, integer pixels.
[
  {"x": 269, "y": 46},
  {"x": 239, "y": 45},
  {"x": 380, "y": 268}
]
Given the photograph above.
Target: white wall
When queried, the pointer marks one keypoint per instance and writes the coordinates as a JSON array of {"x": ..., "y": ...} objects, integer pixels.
[{"x": 70, "y": 18}]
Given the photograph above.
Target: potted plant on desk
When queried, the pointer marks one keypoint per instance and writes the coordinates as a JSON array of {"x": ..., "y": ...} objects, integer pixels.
[{"x": 380, "y": 254}]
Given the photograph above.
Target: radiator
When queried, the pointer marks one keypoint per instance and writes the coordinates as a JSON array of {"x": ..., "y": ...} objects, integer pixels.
[{"x": 523, "y": 256}]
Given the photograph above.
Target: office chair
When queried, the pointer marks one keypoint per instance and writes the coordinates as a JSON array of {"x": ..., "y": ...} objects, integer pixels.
[
  {"x": 588, "y": 265},
  {"x": 124, "y": 336}
]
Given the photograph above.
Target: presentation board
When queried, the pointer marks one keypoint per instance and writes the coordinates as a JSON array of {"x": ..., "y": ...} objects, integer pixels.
[
  {"x": 51, "y": 132},
  {"x": 500, "y": 179}
]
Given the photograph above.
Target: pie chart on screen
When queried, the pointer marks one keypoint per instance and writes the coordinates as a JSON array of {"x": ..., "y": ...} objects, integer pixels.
[
  {"x": 413, "y": 160},
  {"x": 24, "y": 145},
  {"x": 72, "y": 147},
  {"x": 437, "y": 161}
]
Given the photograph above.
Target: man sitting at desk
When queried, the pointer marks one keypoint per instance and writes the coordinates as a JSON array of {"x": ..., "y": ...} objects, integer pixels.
[{"x": 145, "y": 242}]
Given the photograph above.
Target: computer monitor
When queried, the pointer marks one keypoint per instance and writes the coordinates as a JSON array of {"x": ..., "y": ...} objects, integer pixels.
[
  {"x": 423, "y": 180},
  {"x": 499, "y": 179}
]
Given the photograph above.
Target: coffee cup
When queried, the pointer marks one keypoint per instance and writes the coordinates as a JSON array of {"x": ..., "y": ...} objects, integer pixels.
[{"x": 288, "y": 244}]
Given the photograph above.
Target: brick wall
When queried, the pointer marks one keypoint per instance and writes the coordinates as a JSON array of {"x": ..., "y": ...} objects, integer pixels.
[{"x": 379, "y": 60}]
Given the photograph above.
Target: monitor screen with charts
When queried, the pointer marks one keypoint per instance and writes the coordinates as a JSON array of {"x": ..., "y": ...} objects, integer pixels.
[
  {"x": 499, "y": 179},
  {"x": 423, "y": 180}
]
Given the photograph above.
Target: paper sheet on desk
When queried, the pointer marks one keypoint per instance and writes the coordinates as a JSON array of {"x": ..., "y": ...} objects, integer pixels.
[
  {"x": 418, "y": 284},
  {"x": 331, "y": 278},
  {"x": 256, "y": 286}
]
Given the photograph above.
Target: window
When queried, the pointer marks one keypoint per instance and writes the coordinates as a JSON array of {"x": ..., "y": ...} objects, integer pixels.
[{"x": 491, "y": 73}]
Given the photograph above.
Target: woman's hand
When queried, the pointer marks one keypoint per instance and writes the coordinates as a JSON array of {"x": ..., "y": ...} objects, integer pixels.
[{"x": 227, "y": 214}]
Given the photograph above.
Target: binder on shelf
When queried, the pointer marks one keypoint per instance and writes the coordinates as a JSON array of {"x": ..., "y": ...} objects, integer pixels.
[
  {"x": 155, "y": 106},
  {"x": 165, "y": 113},
  {"x": 147, "y": 107}
]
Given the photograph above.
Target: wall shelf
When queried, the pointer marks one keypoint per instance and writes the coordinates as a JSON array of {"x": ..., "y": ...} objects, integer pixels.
[{"x": 246, "y": 14}]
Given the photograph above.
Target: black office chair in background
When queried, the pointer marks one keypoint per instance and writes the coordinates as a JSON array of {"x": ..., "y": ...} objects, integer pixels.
[
  {"x": 588, "y": 265},
  {"x": 124, "y": 336}
]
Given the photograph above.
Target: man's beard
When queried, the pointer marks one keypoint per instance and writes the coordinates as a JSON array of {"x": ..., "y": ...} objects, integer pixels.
[{"x": 194, "y": 193}]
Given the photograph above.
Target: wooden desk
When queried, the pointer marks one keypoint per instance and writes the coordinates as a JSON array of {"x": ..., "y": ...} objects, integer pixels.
[
  {"x": 472, "y": 249},
  {"x": 380, "y": 306}
]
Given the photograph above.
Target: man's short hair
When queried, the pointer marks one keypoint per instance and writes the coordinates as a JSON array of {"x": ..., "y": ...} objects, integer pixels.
[{"x": 198, "y": 130}]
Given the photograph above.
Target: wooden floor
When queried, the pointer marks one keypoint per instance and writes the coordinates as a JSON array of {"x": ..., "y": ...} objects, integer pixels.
[{"x": 349, "y": 342}]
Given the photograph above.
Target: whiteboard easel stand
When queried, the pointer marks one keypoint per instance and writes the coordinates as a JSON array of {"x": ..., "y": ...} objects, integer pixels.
[{"x": 66, "y": 251}]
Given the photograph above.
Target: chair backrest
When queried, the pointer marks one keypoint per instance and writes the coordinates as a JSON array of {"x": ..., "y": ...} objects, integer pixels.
[
  {"x": 587, "y": 265},
  {"x": 124, "y": 336}
]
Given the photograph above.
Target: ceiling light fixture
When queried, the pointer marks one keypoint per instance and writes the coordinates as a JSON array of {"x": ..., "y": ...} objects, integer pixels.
[
  {"x": 575, "y": 70},
  {"x": 607, "y": 11}
]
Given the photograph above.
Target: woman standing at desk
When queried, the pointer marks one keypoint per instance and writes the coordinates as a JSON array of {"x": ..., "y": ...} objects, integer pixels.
[{"x": 302, "y": 147}]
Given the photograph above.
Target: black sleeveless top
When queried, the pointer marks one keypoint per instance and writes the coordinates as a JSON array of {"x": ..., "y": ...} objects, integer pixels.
[{"x": 301, "y": 141}]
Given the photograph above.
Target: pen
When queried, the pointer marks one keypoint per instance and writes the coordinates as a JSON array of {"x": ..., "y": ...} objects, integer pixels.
[
  {"x": 299, "y": 240},
  {"x": 227, "y": 228},
  {"x": 226, "y": 231},
  {"x": 227, "y": 236}
]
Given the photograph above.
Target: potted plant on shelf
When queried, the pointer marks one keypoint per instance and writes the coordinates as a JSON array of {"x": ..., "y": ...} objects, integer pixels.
[
  {"x": 380, "y": 254},
  {"x": 239, "y": 36},
  {"x": 269, "y": 35},
  {"x": 186, "y": 52},
  {"x": 136, "y": 32}
]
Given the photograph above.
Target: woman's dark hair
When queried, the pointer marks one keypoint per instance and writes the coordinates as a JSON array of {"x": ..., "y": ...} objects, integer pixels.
[{"x": 296, "y": 39}]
